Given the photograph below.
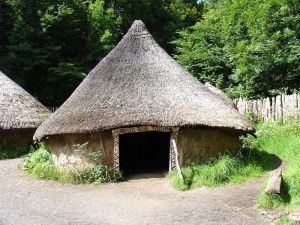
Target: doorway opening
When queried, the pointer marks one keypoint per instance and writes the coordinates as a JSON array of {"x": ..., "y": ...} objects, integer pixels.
[{"x": 144, "y": 152}]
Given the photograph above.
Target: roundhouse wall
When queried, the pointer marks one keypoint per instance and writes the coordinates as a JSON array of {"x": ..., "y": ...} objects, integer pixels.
[
  {"x": 65, "y": 153},
  {"x": 193, "y": 144},
  {"x": 16, "y": 138},
  {"x": 201, "y": 143}
]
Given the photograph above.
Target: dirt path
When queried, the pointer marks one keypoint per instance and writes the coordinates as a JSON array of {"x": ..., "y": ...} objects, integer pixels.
[{"x": 27, "y": 201}]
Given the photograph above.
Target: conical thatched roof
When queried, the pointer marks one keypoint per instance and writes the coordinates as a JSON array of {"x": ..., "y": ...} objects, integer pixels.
[
  {"x": 138, "y": 83},
  {"x": 18, "y": 109}
]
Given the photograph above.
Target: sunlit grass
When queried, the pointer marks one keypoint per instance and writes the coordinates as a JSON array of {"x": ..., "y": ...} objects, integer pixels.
[
  {"x": 282, "y": 140},
  {"x": 225, "y": 169}
]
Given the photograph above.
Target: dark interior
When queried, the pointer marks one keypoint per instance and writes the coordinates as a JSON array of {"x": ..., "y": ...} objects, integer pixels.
[{"x": 144, "y": 152}]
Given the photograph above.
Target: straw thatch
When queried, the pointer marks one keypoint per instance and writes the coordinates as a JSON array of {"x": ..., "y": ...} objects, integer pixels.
[
  {"x": 228, "y": 101},
  {"x": 138, "y": 83},
  {"x": 18, "y": 109}
]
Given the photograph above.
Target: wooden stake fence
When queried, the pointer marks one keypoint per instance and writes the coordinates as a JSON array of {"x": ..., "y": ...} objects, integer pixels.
[{"x": 280, "y": 108}]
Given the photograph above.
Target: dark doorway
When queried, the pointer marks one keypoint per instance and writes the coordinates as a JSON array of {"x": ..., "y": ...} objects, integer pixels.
[{"x": 144, "y": 152}]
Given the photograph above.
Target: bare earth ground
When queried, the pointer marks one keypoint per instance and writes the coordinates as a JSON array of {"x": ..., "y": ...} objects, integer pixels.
[{"x": 27, "y": 201}]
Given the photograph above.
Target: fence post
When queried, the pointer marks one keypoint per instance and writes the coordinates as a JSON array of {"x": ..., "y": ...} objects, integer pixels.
[{"x": 279, "y": 108}]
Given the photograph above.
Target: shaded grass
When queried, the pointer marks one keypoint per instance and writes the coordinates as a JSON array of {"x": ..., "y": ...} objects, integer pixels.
[
  {"x": 11, "y": 153},
  {"x": 283, "y": 140},
  {"x": 272, "y": 200},
  {"x": 225, "y": 169},
  {"x": 39, "y": 164}
]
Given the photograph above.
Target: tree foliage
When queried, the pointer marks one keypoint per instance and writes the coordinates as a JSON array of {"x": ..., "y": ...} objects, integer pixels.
[
  {"x": 49, "y": 46},
  {"x": 248, "y": 48},
  {"x": 162, "y": 17}
]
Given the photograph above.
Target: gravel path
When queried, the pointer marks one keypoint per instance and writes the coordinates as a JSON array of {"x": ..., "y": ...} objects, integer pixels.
[{"x": 27, "y": 201}]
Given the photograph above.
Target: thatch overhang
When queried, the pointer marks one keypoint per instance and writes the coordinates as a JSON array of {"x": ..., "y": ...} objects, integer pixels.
[
  {"x": 18, "y": 109},
  {"x": 139, "y": 84}
]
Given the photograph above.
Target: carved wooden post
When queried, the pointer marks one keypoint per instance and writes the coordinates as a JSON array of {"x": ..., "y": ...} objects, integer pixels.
[
  {"x": 174, "y": 156},
  {"x": 116, "y": 155}
]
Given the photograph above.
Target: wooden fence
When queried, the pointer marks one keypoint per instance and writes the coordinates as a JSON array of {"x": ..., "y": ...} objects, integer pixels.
[{"x": 280, "y": 108}]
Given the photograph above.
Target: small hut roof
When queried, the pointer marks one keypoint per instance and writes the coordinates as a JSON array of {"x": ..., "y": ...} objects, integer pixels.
[
  {"x": 139, "y": 84},
  {"x": 18, "y": 109},
  {"x": 221, "y": 94}
]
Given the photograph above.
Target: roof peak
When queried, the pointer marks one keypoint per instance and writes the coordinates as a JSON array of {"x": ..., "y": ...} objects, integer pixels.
[
  {"x": 138, "y": 28},
  {"x": 138, "y": 24}
]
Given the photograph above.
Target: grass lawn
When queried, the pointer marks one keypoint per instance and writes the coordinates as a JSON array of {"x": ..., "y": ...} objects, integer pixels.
[
  {"x": 283, "y": 221},
  {"x": 225, "y": 169},
  {"x": 282, "y": 140},
  {"x": 273, "y": 139}
]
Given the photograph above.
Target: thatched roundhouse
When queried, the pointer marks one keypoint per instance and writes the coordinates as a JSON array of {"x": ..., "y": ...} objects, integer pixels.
[
  {"x": 143, "y": 111},
  {"x": 20, "y": 114}
]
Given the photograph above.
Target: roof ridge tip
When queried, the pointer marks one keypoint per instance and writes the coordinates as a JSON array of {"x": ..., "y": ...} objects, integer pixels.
[
  {"x": 138, "y": 22},
  {"x": 138, "y": 26}
]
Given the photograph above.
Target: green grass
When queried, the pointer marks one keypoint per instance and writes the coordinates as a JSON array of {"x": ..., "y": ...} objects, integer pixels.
[
  {"x": 284, "y": 220},
  {"x": 269, "y": 200},
  {"x": 225, "y": 169},
  {"x": 11, "y": 153},
  {"x": 282, "y": 140},
  {"x": 39, "y": 164},
  {"x": 273, "y": 139}
]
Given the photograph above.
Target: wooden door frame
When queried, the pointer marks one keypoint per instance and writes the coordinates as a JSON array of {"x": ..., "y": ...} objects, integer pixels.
[{"x": 174, "y": 156}]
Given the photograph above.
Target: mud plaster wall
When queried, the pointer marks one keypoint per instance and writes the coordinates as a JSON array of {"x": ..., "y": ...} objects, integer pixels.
[
  {"x": 200, "y": 143},
  {"x": 64, "y": 152},
  {"x": 16, "y": 138},
  {"x": 193, "y": 144}
]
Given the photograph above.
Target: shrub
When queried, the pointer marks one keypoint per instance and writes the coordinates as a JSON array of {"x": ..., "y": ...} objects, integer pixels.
[
  {"x": 253, "y": 118},
  {"x": 39, "y": 163},
  {"x": 96, "y": 174},
  {"x": 10, "y": 153}
]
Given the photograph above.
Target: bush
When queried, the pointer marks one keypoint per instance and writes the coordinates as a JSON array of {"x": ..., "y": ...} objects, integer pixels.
[
  {"x": 97, "y": 174},
  {"x": 253, "y": 118},
  {"x": 39, "y": 163},
  {"x": 10, "y": 153}
]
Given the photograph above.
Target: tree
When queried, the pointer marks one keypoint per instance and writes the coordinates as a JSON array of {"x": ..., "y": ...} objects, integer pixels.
[
  {"x": 162, "y": 17},
  {"x": 6, "y": 21},
  {"x": 49, "y": 46},
  {"x": 248, "y": 48},
  {"x": 53, "y": 45}
]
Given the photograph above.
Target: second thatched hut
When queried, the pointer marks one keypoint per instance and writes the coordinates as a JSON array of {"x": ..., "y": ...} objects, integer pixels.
[{"x": 20, "y": 114}]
